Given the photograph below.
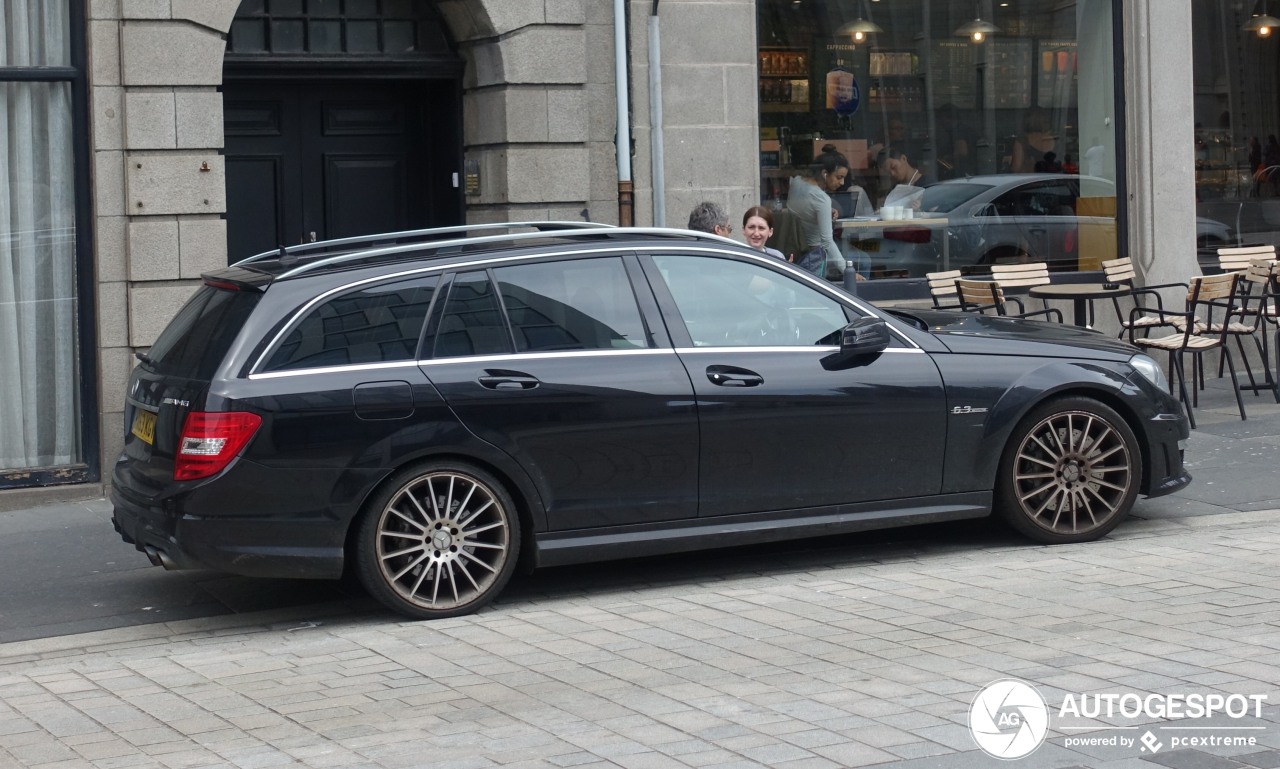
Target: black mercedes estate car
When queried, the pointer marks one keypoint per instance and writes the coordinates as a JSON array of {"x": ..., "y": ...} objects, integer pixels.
[{"x": 430, "y": 409}]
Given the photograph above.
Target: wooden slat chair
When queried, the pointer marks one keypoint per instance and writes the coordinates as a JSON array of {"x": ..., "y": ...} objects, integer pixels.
[
  {"x": 1210, "y": 297},
  {"x": 942, "y": 288},
  {"x": 1238, "y": 258},
  {"x": 1021, "y": 278},
  {"x": 1121, "y": 271},
  {"x": 982, "y": 295},
  {"x": 1255, "y": 295}
]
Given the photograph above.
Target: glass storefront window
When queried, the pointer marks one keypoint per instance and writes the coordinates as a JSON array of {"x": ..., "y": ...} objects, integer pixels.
[
  {"x": 973, "y": 133},
  {"x": 1237, "y": 119},
  {"x": 40, "y": 379}
]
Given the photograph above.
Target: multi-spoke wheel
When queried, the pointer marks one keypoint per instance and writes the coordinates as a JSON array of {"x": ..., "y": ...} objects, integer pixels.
[
  {"x": 1070, "y": 473},
  {"x": 440, "y": 541}
]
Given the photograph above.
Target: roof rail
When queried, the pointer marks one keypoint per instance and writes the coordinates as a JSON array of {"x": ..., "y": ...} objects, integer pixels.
[
  {"x": 425, "y": 234},
  {"x": 434, "y": 247}
]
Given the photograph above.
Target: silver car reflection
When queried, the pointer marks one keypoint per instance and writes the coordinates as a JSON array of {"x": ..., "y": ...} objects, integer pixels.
[{"x": 1066, "y": 220}]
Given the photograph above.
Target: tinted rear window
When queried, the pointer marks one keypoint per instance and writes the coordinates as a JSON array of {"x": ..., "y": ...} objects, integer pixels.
[{"x": 199, "y": 336}]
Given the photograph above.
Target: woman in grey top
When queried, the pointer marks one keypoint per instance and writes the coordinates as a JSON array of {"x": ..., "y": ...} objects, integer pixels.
[{"x": 809, "y": 200}]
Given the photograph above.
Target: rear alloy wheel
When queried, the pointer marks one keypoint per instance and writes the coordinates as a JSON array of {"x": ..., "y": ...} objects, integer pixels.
[
  {"x": 1070, "y": 473},
  {"x": 439, "y": 542}
]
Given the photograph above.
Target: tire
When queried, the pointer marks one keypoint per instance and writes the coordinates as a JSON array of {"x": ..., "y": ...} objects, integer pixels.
[
  {"x": 441, "y": 540},
  {"x": 1070, "y": 472}
]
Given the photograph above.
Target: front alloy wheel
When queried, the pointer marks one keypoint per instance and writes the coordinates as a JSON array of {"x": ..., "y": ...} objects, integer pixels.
[
  {"x": 1071, "y": 472},
  {"x": 440, "y": 543}
]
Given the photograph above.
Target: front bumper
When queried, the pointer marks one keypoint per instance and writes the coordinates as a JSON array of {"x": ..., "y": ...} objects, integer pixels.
[{"x": 1165, "y": 473}]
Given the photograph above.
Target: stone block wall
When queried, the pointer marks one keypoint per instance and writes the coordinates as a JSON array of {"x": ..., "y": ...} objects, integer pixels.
[
  {"x": 159, "y": 186},
  {"x": 711, "y": 127}
]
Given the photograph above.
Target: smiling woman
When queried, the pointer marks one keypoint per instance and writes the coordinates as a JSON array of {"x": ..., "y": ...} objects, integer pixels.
[
  {"x": 944, "y": 93},
  {"x": 39, "y": 382}
]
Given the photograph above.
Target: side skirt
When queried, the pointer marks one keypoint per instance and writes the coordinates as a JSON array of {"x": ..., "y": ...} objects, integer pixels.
[{"x": 560, "y": 548}]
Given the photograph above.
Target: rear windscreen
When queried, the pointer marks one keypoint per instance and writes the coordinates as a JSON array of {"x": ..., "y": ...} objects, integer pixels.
[{"x": 200, "y": 334}]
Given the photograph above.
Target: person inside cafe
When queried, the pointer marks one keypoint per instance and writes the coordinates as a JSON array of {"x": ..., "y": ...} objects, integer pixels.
[
  {"x": 901, "y": 168},
  {"x": 809, "y": 200}
]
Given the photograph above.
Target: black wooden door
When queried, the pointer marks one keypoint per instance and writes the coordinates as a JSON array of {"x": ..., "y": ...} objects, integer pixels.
[{"x": 311, "y": 160}]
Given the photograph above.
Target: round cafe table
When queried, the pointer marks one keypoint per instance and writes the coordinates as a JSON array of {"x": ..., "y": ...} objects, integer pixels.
[{"x": 1080, "y": 294}]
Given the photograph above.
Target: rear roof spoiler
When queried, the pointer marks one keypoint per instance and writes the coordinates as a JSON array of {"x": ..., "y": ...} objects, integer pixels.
[{"x": 237, "y": 279}]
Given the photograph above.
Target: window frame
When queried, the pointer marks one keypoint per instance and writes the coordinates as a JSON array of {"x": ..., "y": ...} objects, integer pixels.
[
  {"x": 650, "y": 316},
  {"x": 90, "y": 411},
  {"x": 297, "y": 318},
  {"x": 675, "y": 320}
]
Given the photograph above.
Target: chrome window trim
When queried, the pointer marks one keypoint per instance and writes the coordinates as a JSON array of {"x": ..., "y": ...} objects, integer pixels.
[
  {"x": 517, "y": 356},
  {"x": 384, "y": 366},
  {"x": 503, "y": 358},
  {"x": 721, "y": 350}
]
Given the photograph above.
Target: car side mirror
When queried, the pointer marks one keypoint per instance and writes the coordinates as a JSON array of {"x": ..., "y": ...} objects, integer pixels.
[{"x": 860, "y": 342}]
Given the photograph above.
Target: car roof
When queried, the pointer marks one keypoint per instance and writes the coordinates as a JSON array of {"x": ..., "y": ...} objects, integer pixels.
[
  {"x": 260, "y": 270},
  {"x": 1011, "y": 180}
]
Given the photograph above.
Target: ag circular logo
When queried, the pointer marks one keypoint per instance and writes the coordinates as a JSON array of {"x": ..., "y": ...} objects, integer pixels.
[{"x": 1008, "y": 719}]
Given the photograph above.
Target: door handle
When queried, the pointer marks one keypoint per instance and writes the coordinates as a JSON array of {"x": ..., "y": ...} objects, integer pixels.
[
  {"x": 495, "y": 379},
  {"x": 732, "y": 376}
]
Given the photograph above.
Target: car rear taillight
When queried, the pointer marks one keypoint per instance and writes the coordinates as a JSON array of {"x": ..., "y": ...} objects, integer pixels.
[
  {"x": 210, "y": 440},
  {"x": 908, "y": 234}
]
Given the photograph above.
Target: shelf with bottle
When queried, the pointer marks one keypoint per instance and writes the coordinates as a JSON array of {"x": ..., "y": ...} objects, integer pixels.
[
  {"x": 783, "y": 62},
  {"x": 779, "y": 94},
  {"x": 896, "y": 94}
]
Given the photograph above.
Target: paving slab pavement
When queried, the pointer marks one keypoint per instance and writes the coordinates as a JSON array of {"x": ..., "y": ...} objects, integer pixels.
[{"x": 828, "y": 658}]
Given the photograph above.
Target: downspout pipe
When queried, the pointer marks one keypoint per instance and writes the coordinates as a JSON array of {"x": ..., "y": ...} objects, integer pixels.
[
  {"x": 656, "y": 151},
  {"x": 626, "y": 189}
]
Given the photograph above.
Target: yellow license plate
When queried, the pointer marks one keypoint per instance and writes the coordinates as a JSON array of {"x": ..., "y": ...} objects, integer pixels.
[
  {"x": 144, "y": 426},
  {"x": 866, "y": 246}
]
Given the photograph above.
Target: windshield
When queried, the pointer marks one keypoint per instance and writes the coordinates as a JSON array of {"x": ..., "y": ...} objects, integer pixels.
[{"x": 942, "y": 198}]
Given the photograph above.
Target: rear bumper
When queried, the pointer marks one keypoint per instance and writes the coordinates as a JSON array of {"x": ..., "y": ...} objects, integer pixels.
[{"x": 251, "y": 539}]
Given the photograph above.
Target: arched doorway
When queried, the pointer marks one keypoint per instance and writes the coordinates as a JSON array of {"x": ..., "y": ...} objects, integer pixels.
[{"x": 342, "y": 117}]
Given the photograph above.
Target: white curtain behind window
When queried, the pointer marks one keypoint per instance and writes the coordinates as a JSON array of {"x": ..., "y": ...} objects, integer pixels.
[{"x": 39, "y": 410}]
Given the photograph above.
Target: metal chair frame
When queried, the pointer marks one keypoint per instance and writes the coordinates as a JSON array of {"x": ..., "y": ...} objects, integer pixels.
[{"x": 1207, "y": 295}]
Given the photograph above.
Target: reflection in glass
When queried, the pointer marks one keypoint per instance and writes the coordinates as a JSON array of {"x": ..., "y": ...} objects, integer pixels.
[
  {"x": 1237, "y": 120},
  {"x": 982, "y": 125}
]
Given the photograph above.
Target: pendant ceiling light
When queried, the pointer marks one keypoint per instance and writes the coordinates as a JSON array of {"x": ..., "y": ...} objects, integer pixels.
[
  {"x": 1262, "y": 23},
  {"x": 858, "y": 29},
  {"x": 977, "y": 30}
]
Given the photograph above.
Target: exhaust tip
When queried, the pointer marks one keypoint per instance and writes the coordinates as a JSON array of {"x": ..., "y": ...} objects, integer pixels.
[{"x": 159, "y": 558}]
